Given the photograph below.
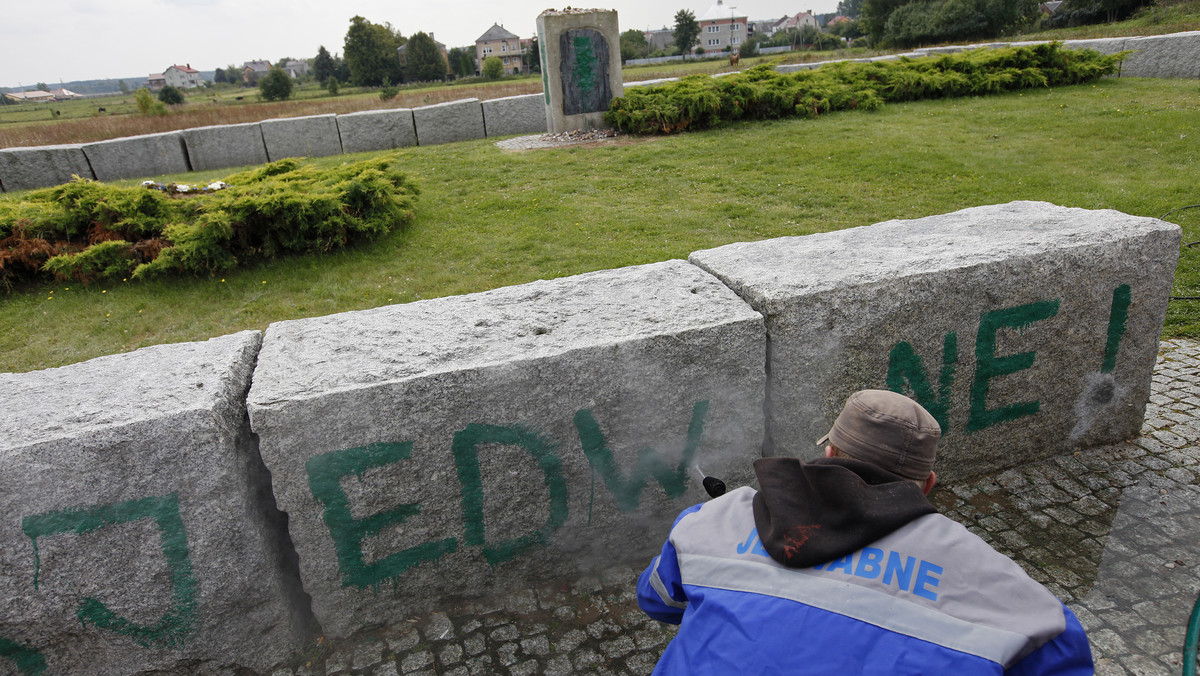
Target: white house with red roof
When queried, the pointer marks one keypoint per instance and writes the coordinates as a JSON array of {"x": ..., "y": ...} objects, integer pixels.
[{"x": 182, "y": 77}]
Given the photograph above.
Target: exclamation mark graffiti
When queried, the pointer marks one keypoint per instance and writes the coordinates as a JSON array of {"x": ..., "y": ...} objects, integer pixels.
[{"x": 1101, "y": 392}]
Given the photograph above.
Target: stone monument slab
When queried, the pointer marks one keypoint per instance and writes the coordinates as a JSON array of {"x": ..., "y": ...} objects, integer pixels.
[
  {"x": 514, "y": 115},
  {"x": 308, "y": 136},
  {"x": 453, "y": 447},
  {"x": 377, "y": 130},
  {"x": 133, "y": 535},
  {"x": 449, "y": 122},
  {"x": 1025, "y": 328},
  {"x": 225, "y": 145},
  {"x": 138, "y": 156},
  {"x": 581, "y": 67},
  {"x": 1175, "y": 55},
  {"x": 42, "y": 166}
]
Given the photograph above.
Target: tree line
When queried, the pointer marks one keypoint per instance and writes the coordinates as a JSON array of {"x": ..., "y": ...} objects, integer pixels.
[{"x": 900, "y": 23}]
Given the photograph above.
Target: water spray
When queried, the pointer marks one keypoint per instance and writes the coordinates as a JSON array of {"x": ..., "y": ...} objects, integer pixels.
[{"x": 712, "y": 485}]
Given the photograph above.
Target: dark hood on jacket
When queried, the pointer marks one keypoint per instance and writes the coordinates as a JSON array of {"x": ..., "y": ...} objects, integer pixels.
[{"x": 816, "y": 511}]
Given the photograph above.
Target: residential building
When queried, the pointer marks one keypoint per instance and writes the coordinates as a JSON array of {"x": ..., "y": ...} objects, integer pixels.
[
  {"x": 501, "y": 43},
  {"x": 722, "y": 26},
  {"x": 660, "y": 39},
  {"x": 296, "y": 67},
  {"x": 183, "y": 77},
  {"x": 156, "y": 81},
  {"x": 253, "y": 71},
  {"x": 798, "y": 21},
  {"x": 31, "y": 95}
]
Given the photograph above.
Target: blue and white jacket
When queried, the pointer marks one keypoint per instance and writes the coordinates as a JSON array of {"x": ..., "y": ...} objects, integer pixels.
[{"x": 929, "y": 597}]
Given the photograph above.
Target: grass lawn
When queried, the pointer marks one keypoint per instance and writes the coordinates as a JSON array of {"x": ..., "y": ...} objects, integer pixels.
[{"x": 489, "y": 218}]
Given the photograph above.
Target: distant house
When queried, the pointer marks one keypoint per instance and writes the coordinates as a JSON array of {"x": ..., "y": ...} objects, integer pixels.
[
  {"x": 253, "y": 71},
  {"x": 722, "y": 26},
  {"x": 660, "y": 39},
  {"x": 500, "y": 43},
  {"x": 64, "y": 94},
  {"x": 183, "y": 77},
  {"x": 296, "y": 68},
  {"x": 156, "y": 81},
  {"x": 1050, "y": 7},
  {"x": 33, "y": 95},
  {"x": 798, "y": 21}
]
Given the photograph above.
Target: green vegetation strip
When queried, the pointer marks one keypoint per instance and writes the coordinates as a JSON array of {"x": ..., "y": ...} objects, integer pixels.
[
  {"x": 760, "y": 93},
  {"x": 87, "y": 231},
  {"x": 488, "y": 218}
]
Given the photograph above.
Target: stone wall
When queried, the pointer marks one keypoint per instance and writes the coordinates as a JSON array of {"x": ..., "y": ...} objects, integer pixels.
[
  {"x": 225, "y": 146},
  {"x": 203, "y": 506}
]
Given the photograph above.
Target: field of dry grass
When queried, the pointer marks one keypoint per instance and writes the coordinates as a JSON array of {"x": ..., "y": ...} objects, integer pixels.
[{"x": 121, "y": 119}]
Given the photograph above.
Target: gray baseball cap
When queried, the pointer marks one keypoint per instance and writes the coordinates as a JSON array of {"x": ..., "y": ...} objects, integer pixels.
[{"x": 888, "y": 430}]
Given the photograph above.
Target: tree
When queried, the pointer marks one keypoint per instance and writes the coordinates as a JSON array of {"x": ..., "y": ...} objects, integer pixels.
[
  {"x": 493, "y": 67},
  {"x": 687, "y": 30},
  {"x": 932, "y": 21},
  {"x": 370, "y": 53},
  {"x": 122, "y": 87},
  {"x": 233, "y": 74},
  {"x": 851, "y": 9},
  {"x": 323, "y": 65},
  {"x": 146, "y": 103},
  {"x": 634, "y": 45},
  {"x": 170, "y": 95},
  {"x": 532, "y": 58},
  {"x": 462, "y": 61},
  {"x": 219, "y": 76},
  {"x": 423, "y": 61},
  {"x": 43, "y": 87},
  {"x": 276, "y": 85},
  {"x": 875, "y": 15}
]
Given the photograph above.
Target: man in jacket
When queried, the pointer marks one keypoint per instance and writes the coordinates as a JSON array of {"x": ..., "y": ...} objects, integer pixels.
[{"x": 841, "y": 565}]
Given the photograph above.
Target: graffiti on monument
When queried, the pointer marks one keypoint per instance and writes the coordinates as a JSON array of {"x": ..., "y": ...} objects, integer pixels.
[
  {"x": 326, "y": 471},
  {"x": 177, "y": 623},
  {"x": 907, "y": 372},
  {"x": 584, "y": 71},
  {"x": 27, "y": 660},
  {"x": 541, "y": 41}
]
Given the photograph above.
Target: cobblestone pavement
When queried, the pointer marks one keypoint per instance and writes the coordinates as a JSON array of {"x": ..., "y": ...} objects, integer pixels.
[{"x": 1113, "y": 531}]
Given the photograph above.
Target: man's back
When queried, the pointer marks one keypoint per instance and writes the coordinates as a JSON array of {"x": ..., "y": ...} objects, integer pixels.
[{"x": 928, "y": 597}]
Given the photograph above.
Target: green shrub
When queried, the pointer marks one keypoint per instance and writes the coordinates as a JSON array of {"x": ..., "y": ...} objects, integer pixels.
[
  {"x": 492, "y": 68},
  {"x": 147, "y": 104},
  {"x": 700, "y": 102},
  {"x": 276, "y": 85},
  {"x": 170, "y": 95},
  {"x": 87, "y": 231}
]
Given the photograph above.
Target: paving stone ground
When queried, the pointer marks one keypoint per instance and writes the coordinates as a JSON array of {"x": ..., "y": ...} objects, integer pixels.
[{"x": 1113, "y": 531}]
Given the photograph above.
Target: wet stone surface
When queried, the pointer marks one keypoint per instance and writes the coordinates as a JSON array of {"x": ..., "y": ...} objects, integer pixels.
[{"x": 1113, "y": 531}]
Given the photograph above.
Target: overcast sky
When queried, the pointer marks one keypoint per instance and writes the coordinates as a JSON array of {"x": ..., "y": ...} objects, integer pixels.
[{"x": 63, "y": 40}]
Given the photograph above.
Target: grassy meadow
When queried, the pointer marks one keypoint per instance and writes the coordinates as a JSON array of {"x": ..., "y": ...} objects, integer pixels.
[{"x": 489, "y": 218}]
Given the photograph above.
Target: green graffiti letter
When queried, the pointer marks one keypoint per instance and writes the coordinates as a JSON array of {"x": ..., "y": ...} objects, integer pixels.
[
  {"x": 27, "y": 660},
  {"x": 325, "y": 474},
  {"x": 466, "y": 458},
  {"x": 177, "y": 623},
  {"x": 988, "y": 365},
  {"x": 585, "y": 64},
  {"x": 627, "y": 493},
  {"x": 1117, "y": 317},
  {"x": 904, "y": 366}
]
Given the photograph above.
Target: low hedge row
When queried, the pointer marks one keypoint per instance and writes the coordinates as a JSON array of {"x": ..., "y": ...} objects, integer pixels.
[
  {"x": 701, "y": 102},
  {"x": 87, "y": 231}
]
